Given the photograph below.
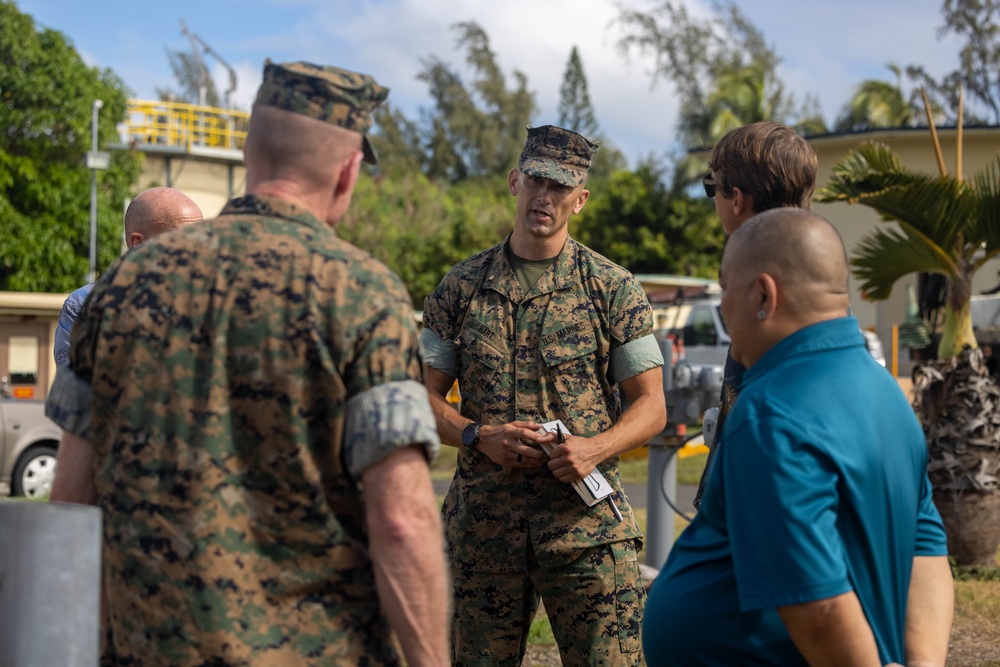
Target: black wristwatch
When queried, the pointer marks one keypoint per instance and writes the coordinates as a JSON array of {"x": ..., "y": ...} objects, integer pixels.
[{"x": 470, "y": 435}]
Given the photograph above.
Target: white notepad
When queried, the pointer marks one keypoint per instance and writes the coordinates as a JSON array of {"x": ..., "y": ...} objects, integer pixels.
[{"x": 594, "y": 487}]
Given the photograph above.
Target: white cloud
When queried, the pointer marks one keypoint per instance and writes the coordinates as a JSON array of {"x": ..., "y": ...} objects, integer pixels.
[{"x": 826, "y": 48}]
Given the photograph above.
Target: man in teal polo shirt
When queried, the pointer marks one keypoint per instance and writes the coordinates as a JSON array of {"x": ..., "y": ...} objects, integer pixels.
[{"x": 817, "y": 541}]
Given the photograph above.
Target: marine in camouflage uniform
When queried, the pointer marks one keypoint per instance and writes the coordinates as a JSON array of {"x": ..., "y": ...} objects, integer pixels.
[
  {"x": 526, "y": 352},
  {"x": 237, "y": 380}
]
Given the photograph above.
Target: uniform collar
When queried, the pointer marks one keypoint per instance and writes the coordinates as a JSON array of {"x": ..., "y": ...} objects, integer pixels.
[
  {"x": 500, "y": 276},
  {"x": 273, "y": 207}
]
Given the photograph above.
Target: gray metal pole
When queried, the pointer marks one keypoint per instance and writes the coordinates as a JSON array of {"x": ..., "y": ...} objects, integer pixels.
[
  {"x": 50, "y": 584},
  {"x": 662, "y": 478},
  {"x": 92, "y": 273}
]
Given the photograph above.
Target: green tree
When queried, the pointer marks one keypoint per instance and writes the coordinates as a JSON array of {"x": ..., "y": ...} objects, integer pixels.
[
  {"x": 949, "y": 227},
  {"x": 978, "y": 22},
  {"x": 398, "y": 141},
  {"x": 723, "y": 70},
  {"x": 878, "y": 104},
  {"x": 420, "y": 228},
  {"x": 635, "y": 222},
  {"x": 477, "y": 132},
  {"x": 46, "y": 93},
  {"x": 575, "y": 109}
]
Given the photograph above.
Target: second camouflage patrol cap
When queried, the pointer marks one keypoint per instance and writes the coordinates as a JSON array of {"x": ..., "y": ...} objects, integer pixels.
[
  {"x": 556, "y": 153},
  {"x": 325, "y": 93}
]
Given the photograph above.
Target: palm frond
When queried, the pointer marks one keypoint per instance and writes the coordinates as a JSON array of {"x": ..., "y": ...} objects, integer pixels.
[
  {"x": 887, "y": 255},
  {"x": 940, "y": 208},
  {"x": 987, "y": 221}
]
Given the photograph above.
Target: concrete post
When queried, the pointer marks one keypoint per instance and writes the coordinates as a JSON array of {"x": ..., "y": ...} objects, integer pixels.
[{"x": 50, "y": 584}]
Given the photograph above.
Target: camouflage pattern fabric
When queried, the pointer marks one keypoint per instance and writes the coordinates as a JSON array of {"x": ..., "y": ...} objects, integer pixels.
[
  {"x": 538, "y": 356},
  {"x": 221, "y": 358},
  {"x": 557, "y": 154},
  {"x": 325, "y": 93},
  {"x": 493, "y": 610}
]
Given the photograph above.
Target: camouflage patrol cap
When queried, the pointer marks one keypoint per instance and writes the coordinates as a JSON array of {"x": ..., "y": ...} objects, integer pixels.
[
  {"x": 326, "y": 93},
  {"x": 557, "y": 153}
]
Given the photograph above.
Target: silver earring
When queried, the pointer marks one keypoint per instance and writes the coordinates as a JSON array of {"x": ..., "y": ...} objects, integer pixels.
[{"x": 761, "y": 315}]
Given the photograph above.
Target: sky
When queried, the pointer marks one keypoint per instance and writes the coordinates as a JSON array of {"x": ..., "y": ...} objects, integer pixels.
[{"x": 826, "y": 48}]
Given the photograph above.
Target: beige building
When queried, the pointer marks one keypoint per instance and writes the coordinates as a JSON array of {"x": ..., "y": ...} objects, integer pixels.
[
  {"x": 27, "y": 332},
  {"x": 915, "y": 148}
]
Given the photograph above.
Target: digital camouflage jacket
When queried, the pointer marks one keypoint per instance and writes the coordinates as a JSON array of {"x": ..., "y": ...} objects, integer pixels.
[
  {"x": 243, "y": 373},
  {"x": 538, "y": 356}
]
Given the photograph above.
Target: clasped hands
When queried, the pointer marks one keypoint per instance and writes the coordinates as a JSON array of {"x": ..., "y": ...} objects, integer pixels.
[{"x": 518, "y": 445}]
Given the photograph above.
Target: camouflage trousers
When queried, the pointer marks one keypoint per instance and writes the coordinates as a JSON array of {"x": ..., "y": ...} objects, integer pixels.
[{"x": 594, "y": 605}]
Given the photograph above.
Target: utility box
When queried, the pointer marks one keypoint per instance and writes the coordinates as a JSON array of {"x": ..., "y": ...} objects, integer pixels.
[{"x": 50, "y": 584}]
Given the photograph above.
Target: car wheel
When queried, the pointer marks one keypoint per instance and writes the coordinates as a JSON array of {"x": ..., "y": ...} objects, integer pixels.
[{"x": 34, "y": 472}]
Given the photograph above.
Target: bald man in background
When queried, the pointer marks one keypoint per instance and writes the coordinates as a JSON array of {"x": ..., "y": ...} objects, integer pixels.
[
  {"x": 152, "y": 212},
  {"x": 816, "y": 542}
]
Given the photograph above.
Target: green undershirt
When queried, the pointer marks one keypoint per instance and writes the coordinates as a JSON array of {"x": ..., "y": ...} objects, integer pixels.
[{"x": 528, "y": 271}]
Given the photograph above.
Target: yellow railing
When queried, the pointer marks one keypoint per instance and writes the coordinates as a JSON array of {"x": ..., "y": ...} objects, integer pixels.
[{"x": 185, "y": 126}]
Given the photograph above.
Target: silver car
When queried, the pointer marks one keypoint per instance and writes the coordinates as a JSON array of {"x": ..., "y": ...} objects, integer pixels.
[{"x": 28, "y": 443}]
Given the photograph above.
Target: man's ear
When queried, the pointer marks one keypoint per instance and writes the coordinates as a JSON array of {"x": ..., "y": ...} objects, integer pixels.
[
  {"x": 581, "y": 200},
  {"x": 742, "y": 204},
  {"x": 766, "y": 293},
  {"x": 343, "y": 188},
  {"x": 349, "y": 173},
  {"x": 134, "y": 239},
  {"x": 512, "y": 182}
]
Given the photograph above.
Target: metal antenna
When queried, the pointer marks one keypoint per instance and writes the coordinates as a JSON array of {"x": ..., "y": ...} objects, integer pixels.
[{"x": 199, "y": 45}]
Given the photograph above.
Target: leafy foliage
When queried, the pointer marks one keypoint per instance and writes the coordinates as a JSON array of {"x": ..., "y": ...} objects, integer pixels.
[
  {"x": 723, "y": 69},
  {"x": 420, "y": 228},
  {"x": 724, "y": 72},
  {"x": 46, "y": 93},
  {"x": 575, "y": 109},
  {"x": 946, "y": 226},
  {"x": 477, "y": 132},
  {"x": 978, "y": 21},
  {"x": 878, "y": 104},
  {"x": 635, "y": 222}
]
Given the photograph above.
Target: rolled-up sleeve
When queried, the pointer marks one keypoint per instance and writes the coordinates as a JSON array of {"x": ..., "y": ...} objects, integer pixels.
[
  {"x": 69, "y": 401},
  {"x": 438, "y": 353},
  {"x": 635, "y": 357},
  {"x": 385, "y": 418}
]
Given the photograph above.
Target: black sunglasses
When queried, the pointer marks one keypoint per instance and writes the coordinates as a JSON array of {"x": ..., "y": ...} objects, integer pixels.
[{"x": 709, "y": 184}]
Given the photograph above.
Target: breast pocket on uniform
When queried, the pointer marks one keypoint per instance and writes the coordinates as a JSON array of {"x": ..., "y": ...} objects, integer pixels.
[
  {"x": 484, "y": 355},
  {"x": 570, "y": 355}
]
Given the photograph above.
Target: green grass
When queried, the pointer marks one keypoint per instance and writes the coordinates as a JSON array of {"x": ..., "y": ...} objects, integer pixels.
[
  {"x": 632, "y": 471},
  {"x": 636, "y": 471},
  {"x": 541, "y": 631}
]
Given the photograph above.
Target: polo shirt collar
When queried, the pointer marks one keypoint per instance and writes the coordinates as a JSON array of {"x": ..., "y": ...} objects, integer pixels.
[{"x": 842, "y": 332}]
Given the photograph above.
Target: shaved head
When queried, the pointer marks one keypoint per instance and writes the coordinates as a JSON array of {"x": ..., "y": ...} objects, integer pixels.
[
  {"x": 782, "y": 270},
  {"x": 158, "y": 210},
  {"x": 283, "y": 145}
]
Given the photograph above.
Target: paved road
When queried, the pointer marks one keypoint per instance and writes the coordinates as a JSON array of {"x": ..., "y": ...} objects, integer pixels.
[{"x": 637, "y": 494}]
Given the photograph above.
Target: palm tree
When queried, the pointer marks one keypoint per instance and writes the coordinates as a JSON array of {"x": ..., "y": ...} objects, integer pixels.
[
  {"x": 950, "y": 227},
  {"x": 740, "y": 95},
  {"x": 877, "y": 104}
]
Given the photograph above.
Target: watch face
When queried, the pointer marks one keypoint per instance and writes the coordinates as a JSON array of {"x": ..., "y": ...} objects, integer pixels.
[{"x": 470, "y": 435}]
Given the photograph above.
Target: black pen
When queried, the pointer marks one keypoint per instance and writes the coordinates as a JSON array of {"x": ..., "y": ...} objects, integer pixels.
[{"x": 559, "y": 433}]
